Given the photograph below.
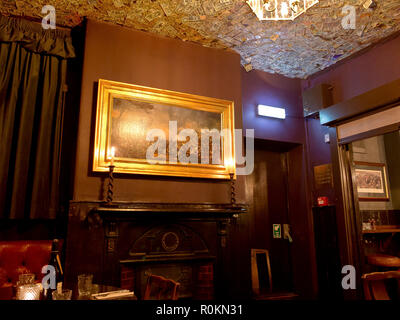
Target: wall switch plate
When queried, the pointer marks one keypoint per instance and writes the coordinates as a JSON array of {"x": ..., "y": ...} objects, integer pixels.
[
  {"x": 327, "y": 138},
  {"x": 286, "y": 232}
]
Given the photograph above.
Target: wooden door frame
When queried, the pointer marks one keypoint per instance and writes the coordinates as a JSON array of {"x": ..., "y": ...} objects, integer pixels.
[
  {"x": 346, "y": 225},
  {"x": 347, "y": 211}
]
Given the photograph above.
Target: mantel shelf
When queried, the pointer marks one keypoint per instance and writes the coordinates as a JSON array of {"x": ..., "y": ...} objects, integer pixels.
[
  {"x": 168, "y": 259},
  {"x": 177, "y": 209}
]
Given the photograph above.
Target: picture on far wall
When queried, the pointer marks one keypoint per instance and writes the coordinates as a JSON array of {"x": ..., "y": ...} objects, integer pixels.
[
  {"x": 159, "y": 132},
  {"x": 371, "y": 181}
]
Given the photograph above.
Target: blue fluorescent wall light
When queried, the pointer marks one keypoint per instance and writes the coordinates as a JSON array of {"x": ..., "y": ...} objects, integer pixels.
[{"x": 272, "y": 112}]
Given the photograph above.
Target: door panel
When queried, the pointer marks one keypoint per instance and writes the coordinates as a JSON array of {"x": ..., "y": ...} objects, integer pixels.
[{"x": 270, "y": 206}]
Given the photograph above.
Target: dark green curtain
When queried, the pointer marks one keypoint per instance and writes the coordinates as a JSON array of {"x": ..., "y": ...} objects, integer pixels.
[{"x": 32, "y": 78}]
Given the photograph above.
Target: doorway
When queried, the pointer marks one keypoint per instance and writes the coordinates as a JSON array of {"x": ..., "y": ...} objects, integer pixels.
[
  {"x": 276, "y": 192},
  {"x": 371, "y": 199},
  {"x": 375, "y": 176}
]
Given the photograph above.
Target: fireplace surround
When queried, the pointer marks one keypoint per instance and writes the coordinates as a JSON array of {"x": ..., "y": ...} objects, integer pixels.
[{"x": 122, "y": 243}]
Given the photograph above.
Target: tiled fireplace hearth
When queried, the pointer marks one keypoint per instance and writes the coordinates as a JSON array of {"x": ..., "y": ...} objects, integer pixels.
[{"x": 124, "y": 243}]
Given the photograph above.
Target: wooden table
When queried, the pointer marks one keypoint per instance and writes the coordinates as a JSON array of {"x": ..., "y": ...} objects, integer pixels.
[
  {"x": 383, "y": 229},
  {"x": 98, "y": 288}
]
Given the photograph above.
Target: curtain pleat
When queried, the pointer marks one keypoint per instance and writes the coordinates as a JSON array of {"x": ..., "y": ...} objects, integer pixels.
[{"x": 31, "y": 90}]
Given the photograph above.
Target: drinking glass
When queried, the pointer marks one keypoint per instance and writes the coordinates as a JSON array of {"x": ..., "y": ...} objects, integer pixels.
[
  {"x": 85, "y": 284},
  {"x": 26, "y": 278},
  {"x": 95, "y": 289},
  {"x": 29, "y": 291},
  {"x": 65, "y": 294}
]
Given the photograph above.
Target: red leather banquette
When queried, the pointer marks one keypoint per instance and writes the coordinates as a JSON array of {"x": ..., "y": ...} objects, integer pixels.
[{"x": 18, "y": 257}]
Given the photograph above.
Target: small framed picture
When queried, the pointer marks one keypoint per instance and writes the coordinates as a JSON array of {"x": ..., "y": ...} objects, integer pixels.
[{"x": 371, "y": 181}]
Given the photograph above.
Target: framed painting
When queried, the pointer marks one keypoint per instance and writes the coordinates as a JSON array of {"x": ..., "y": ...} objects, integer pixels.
[
  {"x": 142, "y": 130},
  {"x": 371, "y": 181}
]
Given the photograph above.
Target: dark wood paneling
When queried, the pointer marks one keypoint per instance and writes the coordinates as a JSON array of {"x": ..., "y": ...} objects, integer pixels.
[
  {"x": 277, "y": 193},
  {"x": 11, "y": 230},
  {"x": 300, "y": 217},
  {"x": 85, "y": 245},
  {"x": 327, "y": 253},
  {"x": 270, "y": 207}
]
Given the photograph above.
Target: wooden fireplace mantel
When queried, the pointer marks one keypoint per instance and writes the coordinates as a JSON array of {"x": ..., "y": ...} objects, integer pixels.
[
  {"x": 104, "y": 236},
  {"x": 177, "y": 210}
]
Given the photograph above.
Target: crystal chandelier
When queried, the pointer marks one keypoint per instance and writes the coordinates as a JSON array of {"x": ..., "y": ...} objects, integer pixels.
[{"x": 280, "y": 9}]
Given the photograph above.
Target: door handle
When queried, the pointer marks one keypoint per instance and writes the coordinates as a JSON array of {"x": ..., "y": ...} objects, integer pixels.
[{"x": 286, "y": 233}]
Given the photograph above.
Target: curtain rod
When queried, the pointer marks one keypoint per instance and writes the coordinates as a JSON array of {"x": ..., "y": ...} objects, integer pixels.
[{"x": 39, "y": 21}]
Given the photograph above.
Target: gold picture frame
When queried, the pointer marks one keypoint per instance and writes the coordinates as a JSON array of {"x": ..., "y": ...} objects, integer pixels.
[{"x": 125, "y": 114}]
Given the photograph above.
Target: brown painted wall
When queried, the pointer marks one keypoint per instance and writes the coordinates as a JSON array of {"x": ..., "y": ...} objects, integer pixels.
[
  {"x": 277, "y": 91},
  {"x": 120, "y": 54},
  {"x": 374, "y": 68}
]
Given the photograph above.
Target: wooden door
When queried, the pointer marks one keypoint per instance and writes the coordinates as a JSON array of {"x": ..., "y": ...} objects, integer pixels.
[{"x": 269, "y": 205}]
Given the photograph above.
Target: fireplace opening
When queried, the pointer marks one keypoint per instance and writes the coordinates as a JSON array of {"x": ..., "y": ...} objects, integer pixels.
[{"x": 175, "y": 252}]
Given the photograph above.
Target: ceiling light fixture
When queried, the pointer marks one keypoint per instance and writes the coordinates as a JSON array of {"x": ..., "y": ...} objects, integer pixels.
[{"x": 280, "y": 9}]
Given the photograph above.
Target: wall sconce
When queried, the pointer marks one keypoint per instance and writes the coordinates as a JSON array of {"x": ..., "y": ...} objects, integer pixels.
[{"x": 271, "y": 112}]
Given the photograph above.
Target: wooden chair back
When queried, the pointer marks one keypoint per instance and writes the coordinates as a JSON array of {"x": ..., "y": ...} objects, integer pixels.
[
  {"x": 255, "y": 276},
  {"x": 375, "y": 287},
  {"x": 160, "y": 288}
]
